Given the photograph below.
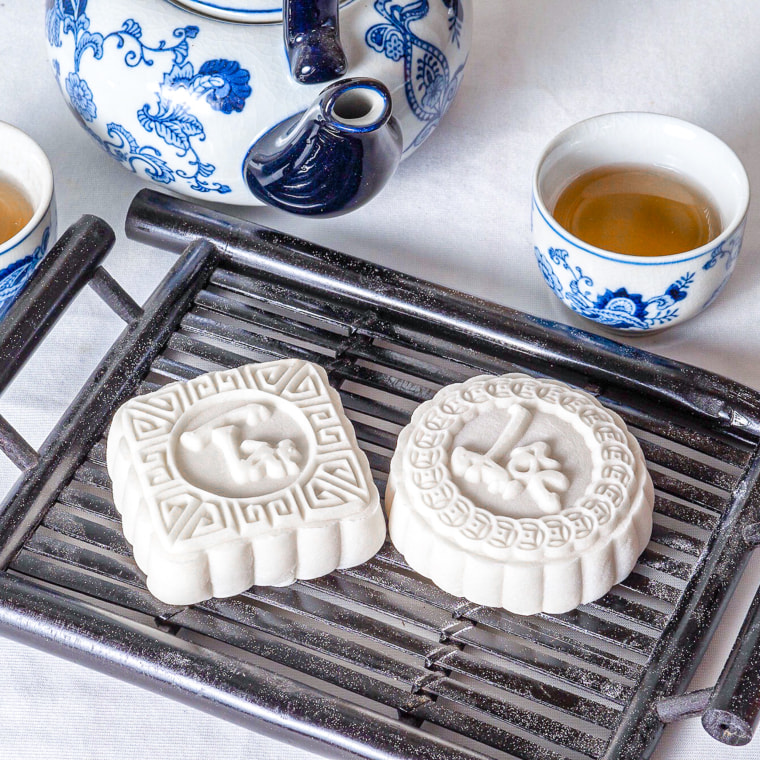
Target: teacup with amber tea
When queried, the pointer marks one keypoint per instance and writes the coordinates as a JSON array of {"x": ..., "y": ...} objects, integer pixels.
[
  {"x": 638, "y": 219},
  {"x": 27, "y": 211}
]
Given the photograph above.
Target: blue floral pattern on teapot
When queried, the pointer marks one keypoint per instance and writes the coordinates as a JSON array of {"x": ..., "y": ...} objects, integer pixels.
[
  {"x": 430, "y": 85},
  {"x": 213, "y": 87},
  {"x": 222, "y": 83}
]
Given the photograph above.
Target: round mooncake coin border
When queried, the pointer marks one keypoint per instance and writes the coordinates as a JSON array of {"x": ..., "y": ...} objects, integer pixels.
[{"x": 550, "y": 563}]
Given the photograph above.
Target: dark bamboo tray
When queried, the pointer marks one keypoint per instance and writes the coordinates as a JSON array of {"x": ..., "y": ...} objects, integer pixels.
[{"x": 374, "y": 661}]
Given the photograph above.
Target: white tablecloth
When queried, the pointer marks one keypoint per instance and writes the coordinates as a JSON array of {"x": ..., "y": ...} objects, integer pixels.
[{"x": 457, "y": 213}]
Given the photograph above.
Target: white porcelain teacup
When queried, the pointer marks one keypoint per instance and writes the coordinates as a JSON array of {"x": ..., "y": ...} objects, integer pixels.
[
  {"x": 633, "y": 293},
  {"x": 24, "y": 164}
]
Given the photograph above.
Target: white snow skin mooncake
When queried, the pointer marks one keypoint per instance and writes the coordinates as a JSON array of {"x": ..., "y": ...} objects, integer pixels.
[
  {"x": 242, "y": 477},
  {"x": 519, "y": 492}
]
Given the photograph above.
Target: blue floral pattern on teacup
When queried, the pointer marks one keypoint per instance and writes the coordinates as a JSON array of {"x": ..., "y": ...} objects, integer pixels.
[
  {"x": 619, "y": 307},
  {"x": 14, "y": 277},
  {"x": 727, "y": 251}
]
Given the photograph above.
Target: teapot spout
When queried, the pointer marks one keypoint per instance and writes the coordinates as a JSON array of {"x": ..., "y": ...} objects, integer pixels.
[{"x": 332, "y": 158}]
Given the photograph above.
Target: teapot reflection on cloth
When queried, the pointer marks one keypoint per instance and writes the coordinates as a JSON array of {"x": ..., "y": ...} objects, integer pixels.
[{"x": 306, "y": 105}]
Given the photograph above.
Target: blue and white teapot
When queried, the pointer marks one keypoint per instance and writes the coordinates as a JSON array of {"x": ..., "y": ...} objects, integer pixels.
[{"x": 261, "y": 101}]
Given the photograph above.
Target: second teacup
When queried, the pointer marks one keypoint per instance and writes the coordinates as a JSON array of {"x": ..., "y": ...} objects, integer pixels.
[
  {"x": 25, "y": 172},
  {"x": 628, "y": 292}
]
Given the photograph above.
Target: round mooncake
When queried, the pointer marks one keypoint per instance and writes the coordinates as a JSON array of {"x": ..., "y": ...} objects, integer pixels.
[{"x": 519, "y": 492}]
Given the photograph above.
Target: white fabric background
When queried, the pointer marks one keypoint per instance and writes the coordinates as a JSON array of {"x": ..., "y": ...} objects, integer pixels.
[{"x": 457, "y": 213}]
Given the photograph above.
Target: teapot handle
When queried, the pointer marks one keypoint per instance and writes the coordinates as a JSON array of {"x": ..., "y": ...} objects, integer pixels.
[{"x": 312, "y": 40}]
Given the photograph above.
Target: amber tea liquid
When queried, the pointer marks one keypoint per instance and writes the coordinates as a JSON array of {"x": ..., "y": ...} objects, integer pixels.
[
  {"x": 15, "y": 210},
  {"x": 639, "y": 211}
]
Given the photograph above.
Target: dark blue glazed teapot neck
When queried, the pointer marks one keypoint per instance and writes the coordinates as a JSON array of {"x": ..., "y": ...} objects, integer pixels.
[
  {"x": 312, "y": 39},
  {"x": 310, "y": 27}
]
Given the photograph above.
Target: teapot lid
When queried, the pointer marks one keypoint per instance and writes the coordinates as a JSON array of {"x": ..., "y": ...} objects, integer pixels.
[{"x": 249, "y": 11}]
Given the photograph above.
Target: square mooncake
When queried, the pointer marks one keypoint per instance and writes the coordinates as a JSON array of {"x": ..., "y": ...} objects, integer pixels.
[{"x": 242, "y": 477}]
